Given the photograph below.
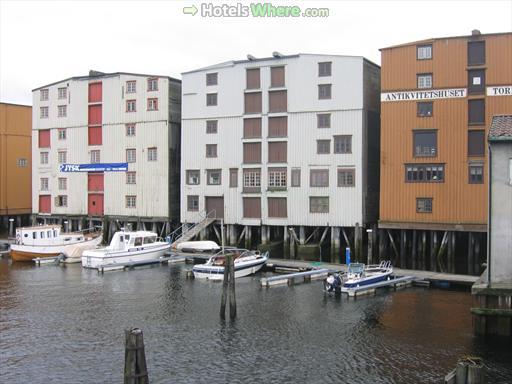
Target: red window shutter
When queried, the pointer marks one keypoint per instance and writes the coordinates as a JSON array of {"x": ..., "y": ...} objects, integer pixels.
[
  {"x": 44, "y": 138},
  {"x": 94, "y": 114},
  {"x": 45, "y": 204},
  {"x": 95, "y": 182},
  {"x": 95, "y": 135},
  {"x": 95, "y": 92}
]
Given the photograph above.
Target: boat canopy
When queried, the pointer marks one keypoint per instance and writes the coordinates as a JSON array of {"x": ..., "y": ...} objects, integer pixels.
[{"x": 355, "y": 268}]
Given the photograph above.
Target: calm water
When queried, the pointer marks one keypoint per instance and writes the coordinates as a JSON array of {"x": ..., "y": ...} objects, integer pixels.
[{"x": 66, "y": 325}]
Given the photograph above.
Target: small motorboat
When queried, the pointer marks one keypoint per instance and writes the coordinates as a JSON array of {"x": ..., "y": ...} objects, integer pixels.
[
  {"x": 358, "y": 275},
  {"x": 127, "y": 247},
  {"x": 246, "y": 263},
  {"x": 198, "y": 247}
]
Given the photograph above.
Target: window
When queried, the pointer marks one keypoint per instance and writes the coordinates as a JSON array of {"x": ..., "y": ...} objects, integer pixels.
[
  {"x": 424, "y": 143},
  {"x": 251, "y": 207},
  {"x": 323, "y": 120},
  {"x": 131, "y": 177},
  {"x": 62, "y": 92},
  {"x": 277, "y": 101},
  {"x": 424, "y": 205},
  {"x": 44, "y": 184},
  {"x": 277, "y": 207},
  {"x": 211, "y": 150},
  {"x": 476, "y": 111},
  {"x": 62, "y": 110},
  {"x": 278, "y": 126},
  {"x": 63, "y": 183},
  {"x": 476, "y": 143},
  {"x": 424, "y": 173},
  {"x": 476, "y": 173},
  {"x": 152, "y": 154},
  {"x": 95, "y": 156},
  {"x": 476, "y": 52},
  {"x": 130, "y": 129},
  {"x": 319, "y": 204},
  {"x": 252, "y": 78},
  {"x": 131, "y": 201},
  {"x": 346, "y": 177},
  {"x": 476, "y": 81},
  {"x": 62, "y": 157},
  {"x": 323, "y": 147},
  {"x": 324, "y": 69},
  {"x": 61, "y": 201},
  {"x": 131, "y": 106},
  {"x": 43, "y": 112},
  {"x": 252, "y": 128},
  {"x": 213, "y": 176},
  {"x": 277, "y": 78},
  {"x": 425, "y": 108},
  {"x": 343, "y": 144},
  {"x": 43, "y": 94},
  {"x": 152, "y": 85},
  {"x": 22, "y": 163},
  {"x": 211, "y": 126},
  {"x": 131, "y": 86},
  {"x": 44, "y": 157},
  {"x": 319, "y": 178},
  {"x": 192, "y": 203},
  {"x": 252, "y": 153},
  {"x": 211, "y": 78},
  {"x": 424, "y": 80},
  {"x": 233, "y": 177},
  {"x": 252, "y": 102},
  {"x": 295, "y": 175},
  {"x": 62, "y": 133},
  {"x": 44, "y": 138},
  {"x": 211, "y": 99},
  {"x": 131, "y": 155},
  {"x": 424, "y": 52},
  {"x": 324, "y": 91},
  {"x": 252, "y": 180},
  {"x": 277, "y": 152},
  {"x": 152, "y": 104},
  {"x": 193, "y": 177},
  {"x": 277, "y": 178}
]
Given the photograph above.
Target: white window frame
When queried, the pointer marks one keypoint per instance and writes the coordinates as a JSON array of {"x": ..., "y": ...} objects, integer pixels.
[
  {"x": 425, "y": 81},
  {"x": 131, "y": 86},
  {"x": 43, "y": 112},
  {"x": 22, "y": 162},
  {"x": 424, "y": 52},
  {"x": 61, "y": 201},
  {"x": 211, "y": 172},
  {"x": 62, "y": 93},
  {"x": 152, "y": 154},
  {"x": 130, "y": 130},
  {"x": 152, "y": 84},
  {"x": 131, "y": 105},
  {"x": 62, "y": 157},
  {"x": 131, "y": 201},
  {"x": 44, "y": 94},
  {"x": 62, "y": 111},
  {"x": 44, "y": 184},
  {"x": 277, "y": 178},
  {"x": 152, "y": 104},
  {"x": 62, "y": 133},
  {"x": 63, "y": 183},
  {"x": 95, "y": 156},
  {"x": 252, "y": 179},
  {"x": 43, "y": 157},
  {"x": 131, "y": 177},
  {"x": 192, "y": 175},
  {"x": 131, "y": 155}
]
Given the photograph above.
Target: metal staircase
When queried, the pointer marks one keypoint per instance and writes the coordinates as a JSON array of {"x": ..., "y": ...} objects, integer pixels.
[{"x": 188, "y": 231}]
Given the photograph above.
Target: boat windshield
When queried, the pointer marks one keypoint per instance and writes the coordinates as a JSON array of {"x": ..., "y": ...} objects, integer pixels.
[{"x": 355, "y": 268}]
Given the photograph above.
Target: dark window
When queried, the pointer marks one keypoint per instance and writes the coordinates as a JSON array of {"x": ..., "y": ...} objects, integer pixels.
[
  {"x": 252, "y": 128},
  {"x": 476, "y": 81},
  {"x": 424, "y": 52},
  {"x": 476, "y": 143},
  {"x": 319, "y": 178},
  {"x": 425, "y": 108},
  {"x": 346, "y": 177},
  {"x": 277, "y": 152},
  {"x": 343, "y": 144},
  {"x": 323, "y": 120},
  {"x": 253, "y": 78},
  {"x": 424, "y": 80},
  {"x": 277, "y": 207},
  {"x": 211, "y": 126},
  {"x": 476, "y": 52},
  {"x": 425, "y": 143},
  {"x": 277, "y": 101},
  {"x": 324, "y": 91},
  {"x": 252, "y": 207},
  {"x": 424, "y": 173},
  {"x": 211, "y": 99},
  {"x": 233, "y": 177},
  {"x": 476, "y": 174},
  {"x": 211, "y": 150},
  {"x": 295, "y": 176},
  {"x": 252, "y": 153},
  {"x": 319, "y": 205},
  {"x": 476, "y": 111},
  {"x": 323, "y": 147},
  {"x": 211, "y": 78},
  {"x": 424, "y": 205},
  {"x": 193, "y": 177},
  {"x": 192, "y": 203},
  {"x": 252, "y": 102},
  {"x": 277, "y": 77},
  {"x": 278, "y": 126},
  {"x": 213, "y": 176},
  {"x": 325, "y": 69}
]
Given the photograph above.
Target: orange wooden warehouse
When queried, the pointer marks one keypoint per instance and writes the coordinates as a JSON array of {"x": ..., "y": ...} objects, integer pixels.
[
  {"x": 438, "y": 97},
  {"x": 15, "y": 164}
]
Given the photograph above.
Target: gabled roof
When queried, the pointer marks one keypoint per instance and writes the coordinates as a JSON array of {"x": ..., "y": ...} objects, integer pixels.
[{"x": 501, "y": 128}]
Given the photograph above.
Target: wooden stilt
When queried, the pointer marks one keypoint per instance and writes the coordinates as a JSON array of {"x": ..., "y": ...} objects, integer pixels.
[
  {"x": 232, "y": 296},
  {"x": 414, "y": 249},
  {"x": 403, "y": 248},
  {"x": 347, "y": 241},
  {"x": 395, "y": 250},
  {"x": 442, "y": 248},
  {"x": 302, "y": 235},
  {"x": 358, "y": 243},
  {"x": 477, "y": 254},
  {"x": 451, "y": 253},
  {"x": 423, "y": 250},
  {"x": 471, "y": 256},
  {"x": 433, "y": 250}
]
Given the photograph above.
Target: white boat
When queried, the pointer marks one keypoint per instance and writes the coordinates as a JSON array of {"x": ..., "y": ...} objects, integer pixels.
[
  {"x": 48, "y": 241},
  {"x": 198, "y": 246},
  {"x": 246, "y": 263},
  {"x": 358, "y": 275},
  {"x": 127, "y": 247}
]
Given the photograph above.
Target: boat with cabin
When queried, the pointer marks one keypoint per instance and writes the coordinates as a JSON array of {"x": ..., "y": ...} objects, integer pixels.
[
  {"x": 45, "y": 241},
  {"x": 246, "y": 262},
  {"x": 127, "y": 247}
]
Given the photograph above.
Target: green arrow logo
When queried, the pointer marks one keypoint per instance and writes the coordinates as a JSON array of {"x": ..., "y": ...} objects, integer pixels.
[{"x": 190, "y": 10}]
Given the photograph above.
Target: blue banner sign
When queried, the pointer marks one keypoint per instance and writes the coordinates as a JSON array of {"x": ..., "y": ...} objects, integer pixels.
[{"x": 100, "y": 167}]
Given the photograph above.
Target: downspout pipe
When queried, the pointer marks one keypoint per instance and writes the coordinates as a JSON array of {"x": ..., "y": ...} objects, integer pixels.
[{"x": 489, "y": 217}]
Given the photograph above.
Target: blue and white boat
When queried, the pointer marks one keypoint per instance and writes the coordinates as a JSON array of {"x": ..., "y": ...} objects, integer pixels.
[
  {"x": 359, "y": 275},
  {"x": 246, "y": 263}
]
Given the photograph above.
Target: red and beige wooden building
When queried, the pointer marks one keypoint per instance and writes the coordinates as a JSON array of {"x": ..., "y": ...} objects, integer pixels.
[
  {"x": 438, "y": 97},
  {"x": 107, "y": 144}
]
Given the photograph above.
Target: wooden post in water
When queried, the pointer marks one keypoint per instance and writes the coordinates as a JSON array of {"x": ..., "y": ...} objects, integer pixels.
[
  {"x": 225, "y": 286},
  {"x": 451, "y": 255},
  {"x": 433, "y": 250},
  {"x": 135, "y": 370},
  {"x": 403, "y": 248},
  {"x": 471, "y": 261},
  {"x": 423, "y": 250},
  {"x": 477, "y": 254},
  {"x": 414, "y": 248},
  {"x": 232, "y": 296}
]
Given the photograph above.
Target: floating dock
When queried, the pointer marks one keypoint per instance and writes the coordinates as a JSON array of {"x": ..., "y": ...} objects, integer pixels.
[
  {"x": 46, "y": 260},
  {"x": 291, "y": 278}
]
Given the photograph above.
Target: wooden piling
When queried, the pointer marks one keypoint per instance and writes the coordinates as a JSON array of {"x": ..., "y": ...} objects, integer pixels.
[
  {"x": 433, "y": 250},
  {"x": 423, "y": 257},
  {"x": 471, "y": 261},
  {"x": 232, "y": 296},
  {"x": 225, "y": 285},
  {"x": 477, "y": 254},
  {"x": 403, "y": 248},
  {"x": 393, "y": 246},
  {"x": 358, "y": 243},
  {"x": 414, "y": 249},
  {"x": 451, "y": 253},
  {"x": 135, "y": 369}
]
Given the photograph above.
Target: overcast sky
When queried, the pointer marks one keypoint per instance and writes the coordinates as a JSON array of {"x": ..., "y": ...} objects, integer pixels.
[{"x": 46, "y": 41}]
